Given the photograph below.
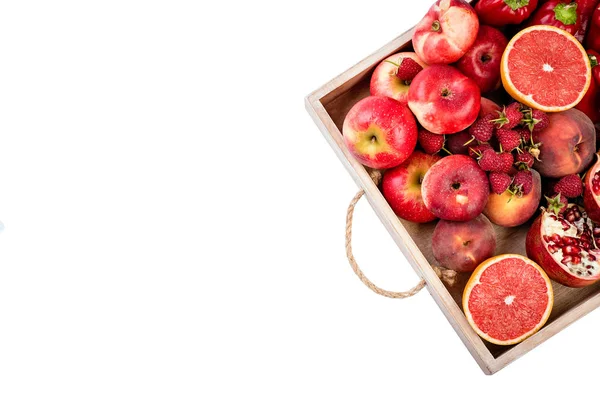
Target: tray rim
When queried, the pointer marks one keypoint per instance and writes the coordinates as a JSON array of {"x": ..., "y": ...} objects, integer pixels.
[{"x": 484, "y": 358}]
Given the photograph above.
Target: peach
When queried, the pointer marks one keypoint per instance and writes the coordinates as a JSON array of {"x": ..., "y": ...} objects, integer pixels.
[
  {"x": 455, "y": 188},
  {"x": 444, "y": 100},
  {"x": 462, "y": 246},
  {"x": 511, "y": 210},
  {"x": 568, "y": 144},
  {"x": 446, "y": 32},
  {"x": 384, "y": 81}
]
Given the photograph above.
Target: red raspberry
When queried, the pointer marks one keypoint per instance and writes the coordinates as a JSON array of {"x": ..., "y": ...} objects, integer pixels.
[
  {"x": 523, "y": 182},
  {"x": 407, "y": 68},
  {"x": 482, "y": 129},
  {"x": 430, "y": 142},
  {"x": 477, "y": 151},
  {"x": 499, "y": 181},
  {"x": 524, "y": 159},
  {"x": 569, "y": 186},
  {"x": 540, "y": 120},
  {"x": 525, "y": 134},
  {"x": 508, "y": 139},
  {"x": 492, "y": 161},
  {"x": 509, "y": 117}
]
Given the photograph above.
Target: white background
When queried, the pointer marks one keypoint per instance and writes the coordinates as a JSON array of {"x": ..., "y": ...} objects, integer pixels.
[{"x": 175, "y": 220}]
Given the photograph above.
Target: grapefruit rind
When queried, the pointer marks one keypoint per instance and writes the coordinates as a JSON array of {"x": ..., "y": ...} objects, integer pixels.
[
  {"x": 527, "y": 99},
  {"x": 474, "y": 281}
]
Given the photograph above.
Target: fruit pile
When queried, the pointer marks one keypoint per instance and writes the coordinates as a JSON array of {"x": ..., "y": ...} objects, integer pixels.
[{"x": 514, "y": 156}]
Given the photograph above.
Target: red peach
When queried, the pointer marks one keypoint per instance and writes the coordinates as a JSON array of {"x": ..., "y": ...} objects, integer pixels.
[
  {"x": 510, "y": 210},
  {"x": 446, "y": 32},
  {"x": 462, "y": 246}
]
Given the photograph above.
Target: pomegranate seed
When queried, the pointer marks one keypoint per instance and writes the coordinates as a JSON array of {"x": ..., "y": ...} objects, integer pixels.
[
  {"x": 591, "y": 258},
  {"x": 570, "y": 217},
  {"x": 577, "y": 214},
  {"x": 566, "y": 259},
  {"x": 546, "y": 238},
  {"x": 576, "y": 260},
  {"x": 553, "y": 217},
  {"x": 566, "y": 226},
  {"x": 571, "y": 250},
  {"x": 597, "y": 241},
  {"x": 555, "y": 238},
  {"x": 585, "y": 246},
  {"x": 567, "y": 240},
  {"x": 552, "y": 249},
  {"x": 596, "y": 231}
]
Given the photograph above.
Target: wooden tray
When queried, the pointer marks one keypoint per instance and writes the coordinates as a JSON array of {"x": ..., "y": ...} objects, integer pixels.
[{"x": 328, "y": 107}]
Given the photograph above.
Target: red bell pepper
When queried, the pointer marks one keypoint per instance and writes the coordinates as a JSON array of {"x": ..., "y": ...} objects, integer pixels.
[
  {"x": 503, "y": 12},
  {"x": 590, "y": 104},
  {"x": 592, "y": 40},
  {"x": 572, "y": 16},
  {"x": 559, "y": 13}
]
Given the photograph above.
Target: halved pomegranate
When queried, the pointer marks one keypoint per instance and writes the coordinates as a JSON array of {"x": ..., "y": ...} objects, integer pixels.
[
  {"x": 591, "y": 191},
  {"x": 566, "y": 246}
]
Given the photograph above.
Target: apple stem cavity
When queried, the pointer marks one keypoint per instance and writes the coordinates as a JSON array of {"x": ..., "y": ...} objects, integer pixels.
[
  {"x": 436, "y": 27},
  {"x": 456, "y": 185}
]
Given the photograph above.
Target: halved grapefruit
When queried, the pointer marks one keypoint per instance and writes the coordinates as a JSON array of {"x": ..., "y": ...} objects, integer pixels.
[
  {"x": 546, "y": 68},
  {"x": 507, "y": 299}
]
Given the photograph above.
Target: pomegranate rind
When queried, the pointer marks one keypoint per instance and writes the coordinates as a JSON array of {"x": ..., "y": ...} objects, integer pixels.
[
  {"x": 474, "y": 281},
  {"x": 590, "y": 201},
  {"x": 537, "y": 251},
  {"x": 528, "y": 98}
]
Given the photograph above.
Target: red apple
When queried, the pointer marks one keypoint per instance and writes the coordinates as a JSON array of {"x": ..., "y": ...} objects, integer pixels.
[
  {"x": 462, "y": 246},
  {"x": 385, "y": 81},
  {"x": 444, "y": 100},
  {"x": 482, "y": 61},
  {"x": 401, "y": 187},
  {"x": 455, "y": 188},
  {"x": 446, "y": 32},
  {"x": 380, "y": 132}
]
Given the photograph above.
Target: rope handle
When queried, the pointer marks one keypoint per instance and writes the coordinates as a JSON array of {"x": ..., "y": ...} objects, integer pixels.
[{"x": 448, "y": 276}]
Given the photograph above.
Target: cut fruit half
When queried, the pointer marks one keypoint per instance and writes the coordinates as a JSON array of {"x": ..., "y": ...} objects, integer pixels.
[
  {"x": 507, "y": 299},
  {"x": 546, "y": 68}
]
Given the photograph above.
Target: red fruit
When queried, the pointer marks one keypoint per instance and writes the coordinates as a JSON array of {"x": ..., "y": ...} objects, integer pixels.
[
  {"x": 482, "y": 129},
  {"x": 457, "y": 143},
  {"x": 482, "y": 61},
  {"x": 565, "y": 246},
  {"x": 443, "y": 99},
  {"x": 492, "y": 161},
  {"x": 499, "y": 182},
  {"x": 455, "y": 188},
  {"x": 430, "y": 142},
  {"x": 477, "y": 150},
  {"x": 567, "y": 146},
  {"x": 408, "y": 69},
  {"x": 540, "y": 120},
  {"x": 508, "y": 139},
  {"x": 570, "y": 186},
  {"x": 509, "y": 117},
  {"x": 509, "y": 210},
  {"x": 591, "y": 192},
  {"x": 524, "y": 159},
  {"x": 525, "y": 134},
  {"x": 557, "y": 203},
  {"x": 401, "y": 187},
  {"x": 462, "y": 246},
  {"x": 446, "y": 32},
  {"x": 523, "y": 182}
]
